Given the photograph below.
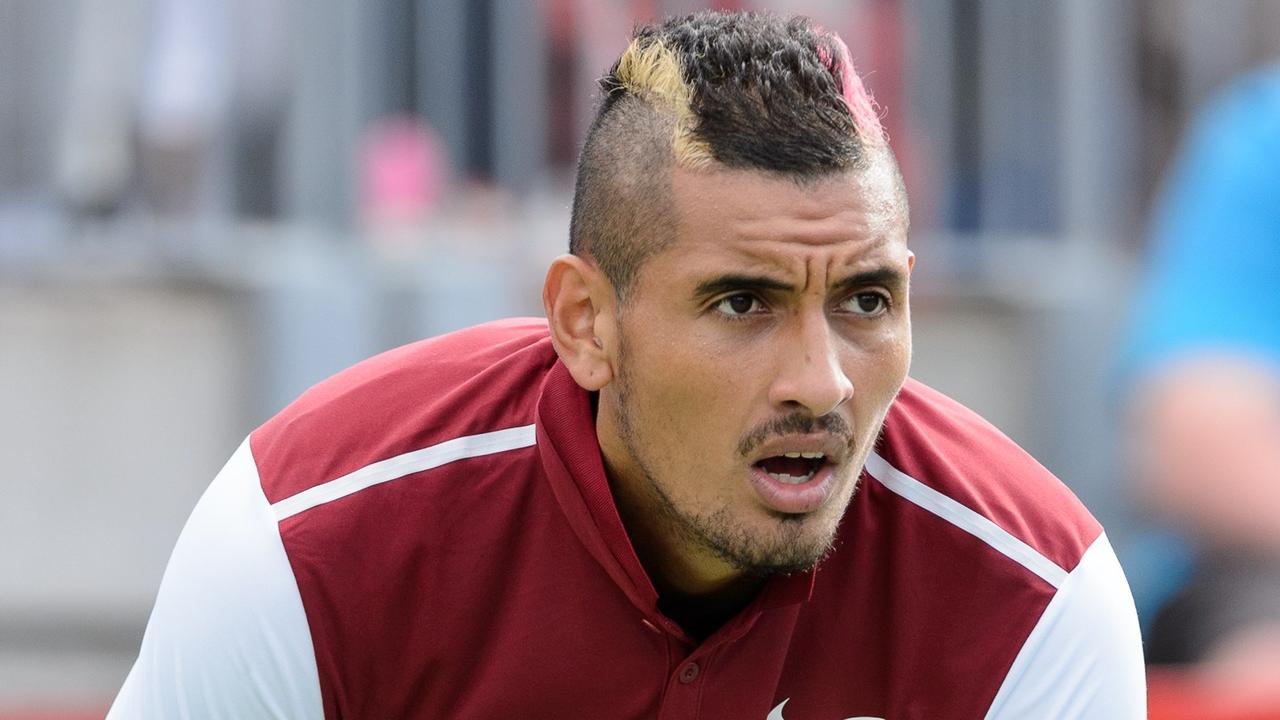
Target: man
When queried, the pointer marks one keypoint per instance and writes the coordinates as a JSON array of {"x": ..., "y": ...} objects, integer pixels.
[{"x": 645, "y": 507}]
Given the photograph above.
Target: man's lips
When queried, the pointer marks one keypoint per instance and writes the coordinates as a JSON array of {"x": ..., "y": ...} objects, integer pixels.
[
  {"x": 794, "y": 496},
  {"x": 795, "y": 474},
  {"x": 832, "y": 448},
  {"x": 792, "y": 467}
]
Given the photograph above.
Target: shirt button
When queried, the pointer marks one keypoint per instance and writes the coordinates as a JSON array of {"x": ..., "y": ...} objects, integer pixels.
[{"x": 689, "y": 673}]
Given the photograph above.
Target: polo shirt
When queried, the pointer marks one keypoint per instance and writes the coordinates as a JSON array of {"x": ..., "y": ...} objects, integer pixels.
[{"x": 431, "y": 534}]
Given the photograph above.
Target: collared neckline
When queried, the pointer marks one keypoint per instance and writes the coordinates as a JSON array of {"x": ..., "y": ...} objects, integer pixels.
[{"x": 570, "y": 454}]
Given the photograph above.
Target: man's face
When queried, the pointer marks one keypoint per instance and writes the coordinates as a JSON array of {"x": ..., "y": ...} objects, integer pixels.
[{"x": 758, "y": 355}]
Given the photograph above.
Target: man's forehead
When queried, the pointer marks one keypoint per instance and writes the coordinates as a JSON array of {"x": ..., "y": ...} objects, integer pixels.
[
  {"x": 880, "y": 249},
  {"x": 873, "y": 191},
  {"x": 758, "y": 215},
  {"x": 796, "y": 266}
]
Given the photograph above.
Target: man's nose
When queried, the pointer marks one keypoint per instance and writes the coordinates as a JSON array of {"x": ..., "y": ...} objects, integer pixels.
[{"x": 809, "y": 372}]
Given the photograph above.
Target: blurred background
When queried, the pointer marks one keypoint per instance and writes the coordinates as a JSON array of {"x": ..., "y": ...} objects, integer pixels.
[{"x": 208, "y": 205}]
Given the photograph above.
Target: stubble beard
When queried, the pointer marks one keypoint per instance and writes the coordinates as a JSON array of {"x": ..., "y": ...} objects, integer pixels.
[{"x": 791, "y": 546}]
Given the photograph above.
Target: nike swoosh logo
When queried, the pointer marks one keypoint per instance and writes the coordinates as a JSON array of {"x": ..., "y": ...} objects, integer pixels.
[{"x": 776, "y": 713}]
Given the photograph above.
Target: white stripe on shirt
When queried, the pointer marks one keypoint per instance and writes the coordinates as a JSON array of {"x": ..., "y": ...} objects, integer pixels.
[
  {"x": 467, "y": 446},
  {"x": 966, "y": 519}
]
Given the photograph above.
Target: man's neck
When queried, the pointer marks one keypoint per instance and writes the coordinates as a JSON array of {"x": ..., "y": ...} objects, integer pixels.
[
  {"x": 696, "y": 588},
  {"x": 701, "y": 614}
]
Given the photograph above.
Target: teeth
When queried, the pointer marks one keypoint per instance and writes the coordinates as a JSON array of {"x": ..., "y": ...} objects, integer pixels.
[
  {"x": 808, "y": 455},
  {"x": 791, "y": 479}
]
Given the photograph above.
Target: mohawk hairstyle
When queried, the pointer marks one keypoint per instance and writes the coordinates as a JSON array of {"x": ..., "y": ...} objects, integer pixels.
[{"x": 738, "y": 90}]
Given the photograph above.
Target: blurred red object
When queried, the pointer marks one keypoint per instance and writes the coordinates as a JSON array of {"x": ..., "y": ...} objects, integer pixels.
[{"x": 1185, "y": 695}]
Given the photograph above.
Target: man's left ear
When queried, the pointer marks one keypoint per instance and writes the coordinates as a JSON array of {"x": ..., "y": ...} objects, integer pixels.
[{"x": 579, "y": 301}]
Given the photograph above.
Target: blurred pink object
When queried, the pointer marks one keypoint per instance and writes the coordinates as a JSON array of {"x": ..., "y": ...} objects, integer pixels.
[
  {"x": 403, "y": 170},
  {"x": 55, "y": 713}
]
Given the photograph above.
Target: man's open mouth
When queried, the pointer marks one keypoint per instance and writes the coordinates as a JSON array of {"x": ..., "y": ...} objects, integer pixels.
[{"x": 793, "y": 468}]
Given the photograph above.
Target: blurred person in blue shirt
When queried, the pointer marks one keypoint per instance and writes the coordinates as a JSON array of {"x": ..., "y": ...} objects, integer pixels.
[{"x": 1204, "y": 355}]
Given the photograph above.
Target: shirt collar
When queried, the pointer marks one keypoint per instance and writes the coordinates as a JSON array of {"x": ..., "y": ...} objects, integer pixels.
[{"x": 570, "y": 454}]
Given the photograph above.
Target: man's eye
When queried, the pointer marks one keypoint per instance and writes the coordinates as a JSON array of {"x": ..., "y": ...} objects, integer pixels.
[
  {"x": 867, "y": 304},
  {"x": 740, "y": 304}
]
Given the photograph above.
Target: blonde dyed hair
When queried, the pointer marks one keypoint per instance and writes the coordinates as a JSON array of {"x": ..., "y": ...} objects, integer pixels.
[{"x": 650, "y": 71}]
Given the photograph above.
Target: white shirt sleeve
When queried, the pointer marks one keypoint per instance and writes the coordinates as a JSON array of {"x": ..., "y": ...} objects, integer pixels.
[
  {"x": 228, "y": 637},
  {"x": 1084, "y": 657}
]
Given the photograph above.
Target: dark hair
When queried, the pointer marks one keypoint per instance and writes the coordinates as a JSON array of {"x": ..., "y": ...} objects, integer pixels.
[{"x": 739, "y": 90}]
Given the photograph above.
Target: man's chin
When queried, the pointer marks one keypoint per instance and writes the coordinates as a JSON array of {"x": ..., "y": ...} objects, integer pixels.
[
  {"x": 789, "y": 568},
  {"x": 768, "y": 567},
  {"x": 796, "y": 545}
]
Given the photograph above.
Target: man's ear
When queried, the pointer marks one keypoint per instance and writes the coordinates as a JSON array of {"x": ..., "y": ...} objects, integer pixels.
[{"x": 579, "y": 303}]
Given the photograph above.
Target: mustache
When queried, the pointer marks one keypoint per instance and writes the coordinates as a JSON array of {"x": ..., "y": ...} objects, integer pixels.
[{"x": 796, "y": 424}]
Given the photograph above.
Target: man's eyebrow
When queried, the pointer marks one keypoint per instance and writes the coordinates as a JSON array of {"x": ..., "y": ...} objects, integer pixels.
[
  {"x": 733, "y": 282},
  {"x": 887, "y": 276}
]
